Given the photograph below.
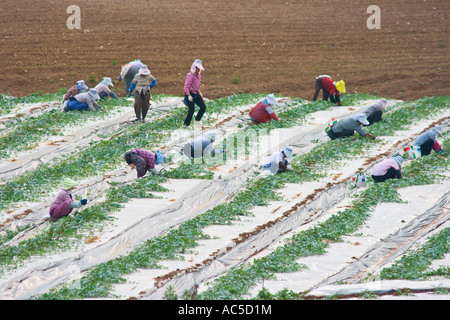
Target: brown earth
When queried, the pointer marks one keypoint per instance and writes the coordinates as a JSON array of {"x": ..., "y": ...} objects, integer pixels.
[{"x": 246, "y": 46}]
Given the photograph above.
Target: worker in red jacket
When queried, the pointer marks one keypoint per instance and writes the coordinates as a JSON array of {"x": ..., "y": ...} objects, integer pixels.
[
  {"x": 263, "y": 111},
  {"x": 331, "y": 89}
]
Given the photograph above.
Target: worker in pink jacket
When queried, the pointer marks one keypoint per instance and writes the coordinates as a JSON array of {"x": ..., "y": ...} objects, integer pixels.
[
  {"x": 192, "y": 94},
  {"x": 64, "y": 203}
]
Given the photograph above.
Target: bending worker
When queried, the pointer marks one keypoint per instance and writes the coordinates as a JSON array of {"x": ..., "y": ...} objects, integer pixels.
[
  {"x": 374, "y": 111},
  {"x": 144, "y": 160},
  {"x": 143, "y": 82},
  {"x": 388, "y": 169},
  {"x": 128, "y": 72},
  {"x": 330, "y": 89},
  {"x": 64, "y": 203},
  {"x": 84, "y": 101},
  {"x": 263, "y": 111},
  {"x": 202, "y": 147},
  {"x": 428, "y": 141},
  {"x": 279, "y": 161},
  {"x": 347, "y": 127},
  {"x": 103, "y": 89},
  {"x": 79, "y": 87}
]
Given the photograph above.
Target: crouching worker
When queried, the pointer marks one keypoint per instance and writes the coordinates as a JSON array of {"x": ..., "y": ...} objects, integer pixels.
[
  {"x": 202, "y": 147},
  {"x": 64, "y": 203},
  {"x": 347, "y": 127},
  {"x": 263, "y": 112},
  {"x": 79, "y": 87},
  {"x": 279, "y": 161},
  {"x": 330, "y": 89},
  {"x": 144, "y": 160},
  {"x": 84, "y": 101},
  {"x": 103, "y": 89},
  {"x": 374, "y": 111},
  {"x": 388, "y": 169},
  {"x": 427, "y": 141}
]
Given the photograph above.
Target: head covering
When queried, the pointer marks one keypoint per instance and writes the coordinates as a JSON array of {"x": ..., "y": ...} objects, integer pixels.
[
  {"x": 398, "y": 159},
  {"x": 436, "y": 130},
  {"x": 81, "y": 86},
  {"x": 127, "y": 157},
  {"x": 68, "y": 183},
  {"x": 197, "y": 64},
  {"x": 160, "y": 158},
  {"x": 383, "y": 103},
  {"x": 362, "y": 118},
  {"x": 107, "y": 81},
  {"x": 288, "y": 152},
  {"x": 144, "y": 70},
  {"x": 271, "y": 99},
  {"x": 340, "y": 86},
  {"x": 93, "y": 93}
]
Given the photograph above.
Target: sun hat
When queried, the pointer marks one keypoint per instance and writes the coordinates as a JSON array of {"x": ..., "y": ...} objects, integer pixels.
[
  {"x": 197, "y": 64},
  {"x": 144, "y": 70},
  {"x": 288, "y": 152},
  {"x": 160, "y": 158},
  {"x": 398, "y": 159},
  {"x": 81, "y": 86},
  {"x": 340, "y": 86},
  {"x": 107, "y": 81},
  {"x": 271, "y": 99},
  {"x": 362, "y": 118},
  {"x": 68, "y": 183},
  {"x": 93, "y": 93},
  {"x": 437, "y": 130}
]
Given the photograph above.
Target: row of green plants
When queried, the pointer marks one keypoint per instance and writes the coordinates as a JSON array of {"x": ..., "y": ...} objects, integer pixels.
[{"x": 183, "y": 238}]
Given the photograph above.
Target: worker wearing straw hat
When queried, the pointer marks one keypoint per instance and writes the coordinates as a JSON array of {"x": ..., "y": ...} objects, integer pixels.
[{"x": 330, "y": 88}]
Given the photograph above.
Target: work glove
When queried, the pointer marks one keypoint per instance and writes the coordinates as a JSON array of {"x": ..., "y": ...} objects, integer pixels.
[
  {"x": 83, "y": 202},
  {"x": 441, "y": 151},
  {"x": 190, "y": 98}
]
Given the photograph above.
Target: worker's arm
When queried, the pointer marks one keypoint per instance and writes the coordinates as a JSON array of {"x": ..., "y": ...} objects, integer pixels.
[
  {"x": 153, "y": 83},
  {"x": 271, "y": 113}
]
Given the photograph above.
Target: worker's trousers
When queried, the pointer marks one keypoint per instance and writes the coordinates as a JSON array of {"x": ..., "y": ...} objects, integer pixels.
[
  {"x": 198, "y": 100},
  {"x": 141, "y": 104}
]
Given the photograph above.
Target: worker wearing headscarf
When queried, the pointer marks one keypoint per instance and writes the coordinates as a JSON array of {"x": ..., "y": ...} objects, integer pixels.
[
  {"x": 427, "y": 141},
  {"x": 374, "y": 111},
  {"x": 263, "y": 111},
  {"x": 330, "y": 88},
  {"x": 84, "y": 101},
  {"x": 103, "y": 88},
  {"x": 144, "y": 160},
  {"x": 64, "y": 202},
  {"x": 388, "y": 169},
  {"x": 202, "y": 147},
  {"x": 143, "y": 82},
  {"x": 347, "y": 127},
  {"x": 192, "y": 93},
  {"x": 128, "y": 72},
  {"x": 279, "y": 161},
  {"x": 79, "y": 87}
]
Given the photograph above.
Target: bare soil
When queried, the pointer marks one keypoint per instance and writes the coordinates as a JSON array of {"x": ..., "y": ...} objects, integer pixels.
[{"x": 246, "y": 46}]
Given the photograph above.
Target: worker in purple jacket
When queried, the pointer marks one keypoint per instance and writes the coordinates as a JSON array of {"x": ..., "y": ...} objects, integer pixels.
[
  {"x": 144, "y": 160},
  {"x": 192, "y": 94},
  {"x": 64, "y": 203}
]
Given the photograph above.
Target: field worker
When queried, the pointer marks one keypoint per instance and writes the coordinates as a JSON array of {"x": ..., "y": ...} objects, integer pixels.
[
  {"x": 388, "y": 169},
  {"x": 128, "y": 72},
  {"x": 192, "y": 93},
  {"x": 84, "y": 101},
  {"x": 202, "y": 147},
  {"x": 374, "y": 111},
  {"x": 103, "y": 88},
  {"x": 143, "y": 82},
  {"x": 330, "y": 89},
  {"x": 263, "y": 111},
  {"x": 144, "y": 161},
  {"x": 279, "y": 161},
  {"x": 79, "y": 87},
  {"x": 427, "y": 141},
  {"x": 347, "y": 127},
  {"x": 64, "y": 203}
]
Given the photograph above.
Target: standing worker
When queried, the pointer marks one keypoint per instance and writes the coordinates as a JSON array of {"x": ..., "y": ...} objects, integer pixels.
[
  {"x": 428, "y": 141},
  {"x": 263, "y": 111},
  {"x": 374, "y": 111},
  {"x": 144, "y": 161},
  {"x": 84, "y": 101},
  {"x": 388, "y": 169},
  {"x": 347, "y": 127},
  {"x": 330, "y": 89},
  {"x": 103, "y": 88},
  {"x": 192, "y": 93},
  {"x": 202, "y": 147},
  {"x": 279, "y": 161},
  {"x": 64, "y": 203},
  {"x": 79, "y": 87},
  {"x": 128, "y": 72},
  {"x": 142, "y": 82}
]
